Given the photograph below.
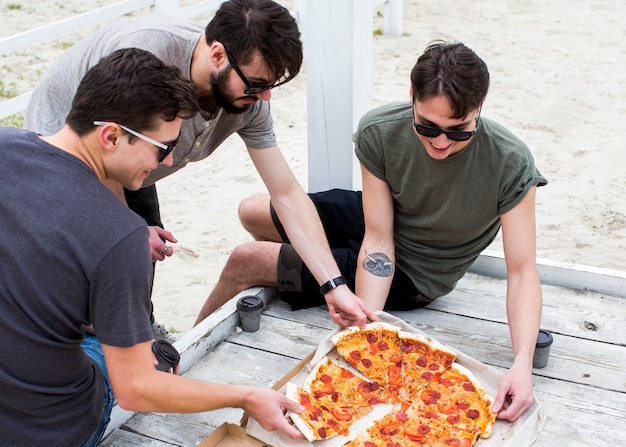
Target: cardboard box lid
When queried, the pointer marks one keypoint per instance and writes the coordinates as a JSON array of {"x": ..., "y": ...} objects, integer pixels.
[{"x": 231, "y": 435}]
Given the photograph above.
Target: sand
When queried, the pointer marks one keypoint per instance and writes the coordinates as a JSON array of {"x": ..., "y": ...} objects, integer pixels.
[{"x": 557, "y": 82}]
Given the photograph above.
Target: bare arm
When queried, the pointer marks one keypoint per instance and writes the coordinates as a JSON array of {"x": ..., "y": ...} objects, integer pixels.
[
  {"x": 138, "y": 386},
  {"x": 302, "y": 224},
  {"x": 376, "y": 263},
  {"x": 524, "y": 302}
]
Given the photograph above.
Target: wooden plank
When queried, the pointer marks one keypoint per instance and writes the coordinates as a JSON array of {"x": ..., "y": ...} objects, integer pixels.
[
  {"x": 580, "y": 416},
  {"x": 590, "y": 315},
  {"x": 282, "y": 337},
  {"x": 572, "y": 276},
  {"x": 123, "y": 438}
]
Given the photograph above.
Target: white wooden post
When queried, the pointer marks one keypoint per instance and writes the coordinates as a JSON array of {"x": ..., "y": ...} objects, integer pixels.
[
  {"x": 339, "y": 65},
  {"x": 393, "y": 17}
]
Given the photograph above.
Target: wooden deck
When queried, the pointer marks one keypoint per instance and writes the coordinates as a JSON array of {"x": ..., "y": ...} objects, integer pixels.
[{"x": 583, "y": 388}]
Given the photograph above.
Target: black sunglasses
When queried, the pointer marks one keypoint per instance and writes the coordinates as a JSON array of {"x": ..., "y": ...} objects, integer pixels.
[
  {"x": 166, "y": 149},
  {"x": 252, "y": 89},
  {"x": 433, "y": 132}
]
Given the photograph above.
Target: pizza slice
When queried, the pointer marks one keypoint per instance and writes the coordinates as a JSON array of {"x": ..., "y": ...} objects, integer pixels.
[
  {"x": 322, "y": 420},
  {"x": 332, "y": 384},
  {"x": 374, "y": 351},
  {"x": 423, "y": 361},
  {"x": 458, "y": 399},
  {"x": 429, "y": 431},
  {"x": 385, "y": 432}
]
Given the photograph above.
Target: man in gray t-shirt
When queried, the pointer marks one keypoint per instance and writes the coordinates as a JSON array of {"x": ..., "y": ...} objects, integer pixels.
[{"x": 248, "y": 48}]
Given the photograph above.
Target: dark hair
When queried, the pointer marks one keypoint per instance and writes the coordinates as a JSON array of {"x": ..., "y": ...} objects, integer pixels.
[
  {"x": 454, "y": 71},
  {"x": 134, "y": 88},
  {"x": 244, "y": 26}
]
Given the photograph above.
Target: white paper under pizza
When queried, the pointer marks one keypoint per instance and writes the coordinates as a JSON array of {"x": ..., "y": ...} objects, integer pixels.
[{"x": 520, "y": 433}]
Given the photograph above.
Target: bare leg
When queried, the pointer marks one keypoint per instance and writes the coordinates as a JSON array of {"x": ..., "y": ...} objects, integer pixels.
[
  {"x": 250, "y": 264},
  {"x": 254, "y": 214}
]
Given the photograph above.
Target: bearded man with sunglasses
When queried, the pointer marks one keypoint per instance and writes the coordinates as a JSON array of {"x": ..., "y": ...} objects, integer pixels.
[
  {"x": 438, "y": 183},
  {"x": 246, "y": 50}
]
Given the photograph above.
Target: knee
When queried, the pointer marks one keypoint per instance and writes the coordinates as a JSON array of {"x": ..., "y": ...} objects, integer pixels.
[
  {"x": 239, "y": 260},
  {"x": 254, "y": 215}
]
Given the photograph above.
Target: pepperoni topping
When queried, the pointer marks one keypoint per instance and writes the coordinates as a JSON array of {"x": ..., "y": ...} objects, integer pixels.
[
  {"x": 366, "y": 362},
  {"x": 422, "y": 361},
  {"x": 355, "y": 355},
  {"x": 434, "y": 367},
  {"x": 423, "y": 429},
  {"x": 473, "y": 414},
  {"x": 371, "y": 338},
  {"x": 322, "y": 432},
  {"x": 468, "y": 386},
  {"x": 427, "y": 376},
  {"x": 326, "y": 378},
  {"x": 453, "y": 419},
  {"x": 463, "y": 405},
  {"x": 383, "y": 345},
  {"x": 369, "y": 444},
  {"x": 401, "y": 416}
]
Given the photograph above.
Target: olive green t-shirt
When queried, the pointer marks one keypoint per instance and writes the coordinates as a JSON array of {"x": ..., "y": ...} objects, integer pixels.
[{"x": 446, "y": 212}]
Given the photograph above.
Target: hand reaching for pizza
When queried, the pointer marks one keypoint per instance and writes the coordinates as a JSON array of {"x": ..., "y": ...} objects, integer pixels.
[
  {"x": 271, "y": 412},
  {"x": 347, "y": 309},
  {"x": 515, "y": 393}
]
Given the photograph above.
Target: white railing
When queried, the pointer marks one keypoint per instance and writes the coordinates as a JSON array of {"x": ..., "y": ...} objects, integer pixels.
[
  {"x": 91, "y": 18},
  {"x": 172, "y": 8}
]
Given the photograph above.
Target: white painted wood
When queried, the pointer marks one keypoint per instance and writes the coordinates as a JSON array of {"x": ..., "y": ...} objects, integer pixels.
[
  {"x": 573, "y": 276},
  {"x": 392, "y": 17},
  {"x": 339, "y": 86},
  {"x": 55, "y": 29},
  {"x": 90, "y": 18}
]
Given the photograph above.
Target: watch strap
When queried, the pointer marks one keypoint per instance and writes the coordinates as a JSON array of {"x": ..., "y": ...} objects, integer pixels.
[{"x": 332, "y": 284}]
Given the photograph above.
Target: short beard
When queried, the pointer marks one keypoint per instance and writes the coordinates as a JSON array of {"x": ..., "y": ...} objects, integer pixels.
[{"x": 219, "y": 91}]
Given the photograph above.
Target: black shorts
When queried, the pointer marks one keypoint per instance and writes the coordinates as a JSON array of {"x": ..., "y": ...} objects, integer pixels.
[{"x": 341, "y": 214}]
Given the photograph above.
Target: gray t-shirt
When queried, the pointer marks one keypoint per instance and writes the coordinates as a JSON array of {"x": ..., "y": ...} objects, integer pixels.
[
  {"x": 174, "y": 43},
  {"x": 72, "y": 255},
  {"x": 446, "y": 212}
]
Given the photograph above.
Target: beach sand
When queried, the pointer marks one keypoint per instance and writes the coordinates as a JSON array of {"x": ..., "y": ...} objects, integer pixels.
[{"x": 557, "y": 81}]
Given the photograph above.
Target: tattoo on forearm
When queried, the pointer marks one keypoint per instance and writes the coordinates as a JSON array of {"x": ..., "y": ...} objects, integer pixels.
[{"x": 378, "y": 264}]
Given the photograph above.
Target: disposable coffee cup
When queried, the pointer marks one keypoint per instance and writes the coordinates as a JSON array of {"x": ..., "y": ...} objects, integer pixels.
[
  {"x": 166, "y": 354},
  {"x": 250, "y": 309},
  {"x": 542, "y": 349}
]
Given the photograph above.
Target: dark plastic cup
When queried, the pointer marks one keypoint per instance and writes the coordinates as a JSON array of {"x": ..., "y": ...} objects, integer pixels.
[
  {"x": 166, "y": 354},
  {"x": 250, "y": 309},
  {"x": 542, "y": 349}
]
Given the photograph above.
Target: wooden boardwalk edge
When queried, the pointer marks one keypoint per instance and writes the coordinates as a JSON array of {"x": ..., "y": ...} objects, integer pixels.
[{"x": 569, "y": 276}]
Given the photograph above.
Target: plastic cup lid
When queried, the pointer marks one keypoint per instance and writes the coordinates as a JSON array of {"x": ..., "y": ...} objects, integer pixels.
[
  {"x": 544, "y": 338},
  {"x": 250, "y": 302}
]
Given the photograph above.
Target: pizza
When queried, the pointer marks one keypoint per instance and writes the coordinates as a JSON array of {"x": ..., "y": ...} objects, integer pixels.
[{"x": 434, "y": 400}]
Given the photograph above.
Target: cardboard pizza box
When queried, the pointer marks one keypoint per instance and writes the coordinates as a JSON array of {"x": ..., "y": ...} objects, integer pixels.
[{"x": 231, "y": 435}]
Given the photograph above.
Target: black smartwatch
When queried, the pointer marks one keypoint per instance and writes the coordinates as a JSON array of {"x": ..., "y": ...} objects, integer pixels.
[{"x": 332, "y": 284}]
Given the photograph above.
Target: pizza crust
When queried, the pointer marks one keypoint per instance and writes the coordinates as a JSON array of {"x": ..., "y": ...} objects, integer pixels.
[
  {"x": 291, "y": 392},
  {"x": 374, "y": 326},
  {"x": 434, "y": 344}
]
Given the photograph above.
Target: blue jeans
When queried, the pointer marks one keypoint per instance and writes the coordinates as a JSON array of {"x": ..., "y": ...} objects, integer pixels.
[{"x": 92, "y": 347}]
